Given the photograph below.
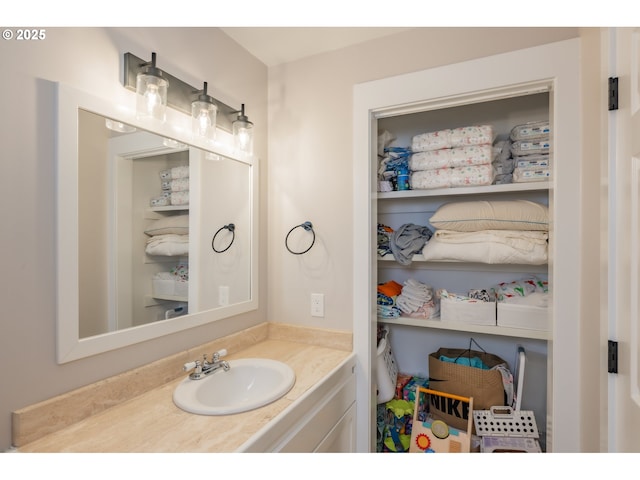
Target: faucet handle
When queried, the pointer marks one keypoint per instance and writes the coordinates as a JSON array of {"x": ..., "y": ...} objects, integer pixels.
[
  {"x": 190, "y": 365},
  {"x": 219, "y": 354}
]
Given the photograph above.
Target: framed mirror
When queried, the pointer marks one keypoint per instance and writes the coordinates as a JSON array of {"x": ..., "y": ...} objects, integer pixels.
[{"x": 157, "y": 232}]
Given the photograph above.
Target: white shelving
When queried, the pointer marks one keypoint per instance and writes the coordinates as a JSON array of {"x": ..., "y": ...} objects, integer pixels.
[
  {"x": 504, "y": 90},
  {"x": 449, "y": 192},
  {"x": 170, "y": 208}
]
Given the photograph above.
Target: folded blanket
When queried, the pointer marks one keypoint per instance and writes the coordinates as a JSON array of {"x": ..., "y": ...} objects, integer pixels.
[
  {"x": 488, "y": 246},
  {"x": 168, "y": 245},
  {"x": 472, "y": 175},
  {"x": 451, "y": 157},
  {"x": 451, "y": 138}
]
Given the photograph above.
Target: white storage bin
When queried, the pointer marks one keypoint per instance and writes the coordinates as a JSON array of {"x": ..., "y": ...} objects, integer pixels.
[
  {"x": 169, "y": 288},
  {"x": 181, "y": 288},
  {"x": 163, "y": 287},
  {"x": 522, "y": 316},
  {"x": 387, "y": 370},
  {"x": 478, "y": 313}
]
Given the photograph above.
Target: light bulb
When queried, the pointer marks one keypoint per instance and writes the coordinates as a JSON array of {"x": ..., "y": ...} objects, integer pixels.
[
  {"x": 243, "y": 133},
  {"x": 244, "y": 139},
  {"x": 151, "y": 90},
  {"x": 204, "y": 123},
  {"x": 152, "y": 99},
  {"x": 203, "y": 115}
]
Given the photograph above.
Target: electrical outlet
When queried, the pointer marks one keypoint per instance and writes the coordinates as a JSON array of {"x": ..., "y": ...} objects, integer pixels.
[
  {"x": 317, "y": 304},
  {"x": 223, "y": 295}
]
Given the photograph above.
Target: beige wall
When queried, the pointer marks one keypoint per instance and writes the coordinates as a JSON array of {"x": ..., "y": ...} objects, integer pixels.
[{"x": 89, "y": 59}]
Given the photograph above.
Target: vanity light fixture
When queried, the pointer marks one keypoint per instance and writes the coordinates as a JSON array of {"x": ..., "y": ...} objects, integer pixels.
[
  {"x": 203, "y": 115},
  {"x": 243, "y": 132},
  {"x": 179, "y": 94},
  {"x": 151, "y": 90}
]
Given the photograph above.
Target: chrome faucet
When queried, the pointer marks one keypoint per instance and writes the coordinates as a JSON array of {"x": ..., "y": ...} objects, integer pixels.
[{"x": 203, "y": 368}]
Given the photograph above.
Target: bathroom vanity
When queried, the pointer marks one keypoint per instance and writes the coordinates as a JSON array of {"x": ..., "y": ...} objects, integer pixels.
[{"x": 317, "y": 414}]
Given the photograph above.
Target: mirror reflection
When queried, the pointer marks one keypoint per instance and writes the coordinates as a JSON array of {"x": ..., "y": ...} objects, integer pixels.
[{"x": 154, "y": 218}]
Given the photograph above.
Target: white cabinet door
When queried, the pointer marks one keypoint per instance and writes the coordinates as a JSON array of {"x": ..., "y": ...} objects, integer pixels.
[{"x": 624, "y": 256}]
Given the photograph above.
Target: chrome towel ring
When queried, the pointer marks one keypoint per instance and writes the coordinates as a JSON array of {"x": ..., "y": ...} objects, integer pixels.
[
  {"x": 232, "y": 228},
  {"x": 309, "y": 228}
]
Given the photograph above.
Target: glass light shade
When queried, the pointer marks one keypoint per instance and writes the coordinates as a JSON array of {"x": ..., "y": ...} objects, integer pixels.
[
  {"x": 171, "y": 143},
  {"x": 151, "y": 96},
  {"x": 203, "y": 119},
  {"x": 243, "y": 136},
  {"x": 118, "y": 126}
]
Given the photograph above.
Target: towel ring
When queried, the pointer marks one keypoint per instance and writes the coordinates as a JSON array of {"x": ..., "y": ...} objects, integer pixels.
[
  {"x": 309, "y": 228},
  {"x": 232, "y": 228}
]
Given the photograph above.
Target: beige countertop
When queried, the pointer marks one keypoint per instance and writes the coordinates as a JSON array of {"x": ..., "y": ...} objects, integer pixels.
[{"x": 150, "y": 422}]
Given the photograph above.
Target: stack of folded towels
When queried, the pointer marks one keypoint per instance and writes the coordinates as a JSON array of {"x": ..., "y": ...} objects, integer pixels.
[{"x": 174, "y": 187}]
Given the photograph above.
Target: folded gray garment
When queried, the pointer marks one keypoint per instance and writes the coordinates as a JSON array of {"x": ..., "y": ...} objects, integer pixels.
[{"x": 408, "y": 240}]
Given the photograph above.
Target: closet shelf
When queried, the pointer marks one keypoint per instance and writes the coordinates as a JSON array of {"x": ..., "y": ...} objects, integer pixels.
[
  {"x": 173, "y": 298},
  {"x": 170, "y": 208},
  {"x": 465, "y": 327},
  {"x": 418, "y": 261},
  {"x": 438, "y": 192}
]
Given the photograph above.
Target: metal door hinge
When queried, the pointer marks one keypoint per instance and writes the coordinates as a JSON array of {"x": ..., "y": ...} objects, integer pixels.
[
  {"x": 612, "y": 357},
  {"x": 613, "y": 93}
]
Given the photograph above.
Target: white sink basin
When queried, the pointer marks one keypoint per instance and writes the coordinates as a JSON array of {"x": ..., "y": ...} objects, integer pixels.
[{"x": 250, "y": 383}]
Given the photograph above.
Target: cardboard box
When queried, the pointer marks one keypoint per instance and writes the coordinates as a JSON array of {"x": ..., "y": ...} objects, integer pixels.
[
  {"x": 522, "y": 316},
  {"x": 472, "y": 313}
]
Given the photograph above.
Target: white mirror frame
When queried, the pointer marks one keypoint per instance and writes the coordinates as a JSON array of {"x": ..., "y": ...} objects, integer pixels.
[{"x": 69, "y": 101}]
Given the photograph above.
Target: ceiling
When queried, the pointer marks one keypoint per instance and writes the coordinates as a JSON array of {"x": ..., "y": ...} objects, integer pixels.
[{"x": 276, "y": 45}]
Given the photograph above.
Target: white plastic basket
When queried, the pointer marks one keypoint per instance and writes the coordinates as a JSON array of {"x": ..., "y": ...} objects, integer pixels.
[{"x": 387, "y": 370}]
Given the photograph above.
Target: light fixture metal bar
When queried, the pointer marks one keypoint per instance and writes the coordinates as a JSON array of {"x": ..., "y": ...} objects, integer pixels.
[{"x": 179, "y": 95}]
